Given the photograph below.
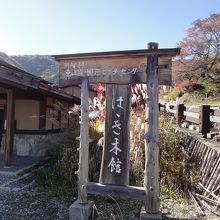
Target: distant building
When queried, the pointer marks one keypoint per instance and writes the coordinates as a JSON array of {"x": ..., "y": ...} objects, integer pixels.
[{"x": 30, "y": 112}]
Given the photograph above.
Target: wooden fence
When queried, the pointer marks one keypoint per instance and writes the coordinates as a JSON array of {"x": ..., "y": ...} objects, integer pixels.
[
  {"x": 204, "y": 117},
  {"x": 206, "y": 194},
  {"x": 206, "y": 154}
]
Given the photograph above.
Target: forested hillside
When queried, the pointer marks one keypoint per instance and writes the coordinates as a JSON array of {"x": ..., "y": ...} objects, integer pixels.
[{"x": 39, "y": 65}]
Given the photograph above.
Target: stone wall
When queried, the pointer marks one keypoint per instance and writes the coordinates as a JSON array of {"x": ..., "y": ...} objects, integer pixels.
[{"x": 32, "y": 145}]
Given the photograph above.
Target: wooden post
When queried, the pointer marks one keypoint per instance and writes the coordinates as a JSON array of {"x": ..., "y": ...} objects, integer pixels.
[
  {"x": 9, "y": 140},
  {"x": 204, "y": 119},
  {"x": 82, "y": 208},
  {"x": 151, "y": 176},
  {"x": 84, "y": 144},
  {"x": 42, "y": 113},
  {"x": 179, "y": 113}
]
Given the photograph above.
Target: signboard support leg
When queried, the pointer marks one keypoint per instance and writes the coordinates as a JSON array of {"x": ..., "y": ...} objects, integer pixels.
[
  {"x": 151, "y": 209},
  {"x": 81, "y": 208}
]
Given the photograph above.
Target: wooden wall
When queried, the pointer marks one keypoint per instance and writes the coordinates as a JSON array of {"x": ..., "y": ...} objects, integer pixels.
[{"x": 27, "y": 114}]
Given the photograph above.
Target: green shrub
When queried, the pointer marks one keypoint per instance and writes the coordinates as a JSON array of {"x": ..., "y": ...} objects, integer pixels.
[
  {"x": 58, "y": 175},
  {"x": 175, "y": 167},
  {"x": 95, "y": 150},
  {"x": 173, "y": 94},
  {"x": 210, "y": 88},
  {"x": 137, "y": 148}
]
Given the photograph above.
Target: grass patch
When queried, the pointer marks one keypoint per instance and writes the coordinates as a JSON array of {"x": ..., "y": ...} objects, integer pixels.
[
  {"x": 198, "y": 100},
  {"x": 59, "y": 178},
  {"x": 170, "y": 195}
]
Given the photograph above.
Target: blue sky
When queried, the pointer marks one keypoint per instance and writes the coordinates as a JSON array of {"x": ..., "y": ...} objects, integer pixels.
[{"x": 73, "y": 26}]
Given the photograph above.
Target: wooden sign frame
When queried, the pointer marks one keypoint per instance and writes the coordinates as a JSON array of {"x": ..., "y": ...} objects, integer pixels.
[
  {"x": 156, "y": 71},
  {"x": 117, "y": 67}
]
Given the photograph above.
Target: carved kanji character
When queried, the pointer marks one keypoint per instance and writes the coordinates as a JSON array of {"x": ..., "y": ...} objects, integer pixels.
[
  {"x": 115, "y": 149},
  {"x": 117, "y": 124},
  {"x": 120, "y": 101},
  {"x": 115, "y": 165}
]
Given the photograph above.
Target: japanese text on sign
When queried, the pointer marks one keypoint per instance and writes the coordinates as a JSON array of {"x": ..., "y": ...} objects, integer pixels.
[
  {"x": 81, "y": 69},
  {"x": 115, "y": 163}
]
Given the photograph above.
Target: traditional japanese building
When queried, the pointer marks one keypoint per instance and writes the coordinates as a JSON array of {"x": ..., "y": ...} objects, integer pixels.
[{"x": 32, "y": 111}]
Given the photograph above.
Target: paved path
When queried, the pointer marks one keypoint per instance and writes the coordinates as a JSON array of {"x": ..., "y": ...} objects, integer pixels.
[{"x": 18, "y": 163}]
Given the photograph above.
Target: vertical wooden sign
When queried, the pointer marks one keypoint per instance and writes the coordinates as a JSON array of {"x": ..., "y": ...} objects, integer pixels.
[{"x": 115, "y": 158}]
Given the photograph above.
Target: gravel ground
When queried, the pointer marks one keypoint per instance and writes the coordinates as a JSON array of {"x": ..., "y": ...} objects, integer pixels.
[
  {"x": 27, "y": 202},
  {"x": 4, "y": 179},
  {"x": 23, "y": 200}
]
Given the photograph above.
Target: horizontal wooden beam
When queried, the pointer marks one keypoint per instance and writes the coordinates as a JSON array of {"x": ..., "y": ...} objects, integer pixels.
[
  {"x": 191, "y": 114},
  {"x": 216, "y": 112},
  {"x": 167, "y": 51},
  {"x": 9, "y": 84},
  {"x": 37, "y": 132},
  {"x": 125, "y": 192},
  {"x": 59, "y": 94},
  {"x": 215, "y": 119},
  {"x": 192, "y": 109},
  {"x": 191, "y": 119}
]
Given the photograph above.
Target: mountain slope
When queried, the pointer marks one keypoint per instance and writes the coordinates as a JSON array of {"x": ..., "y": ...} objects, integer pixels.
[
  {"x": 9, "y": 60},
  {"x": 39, "y": 65}
]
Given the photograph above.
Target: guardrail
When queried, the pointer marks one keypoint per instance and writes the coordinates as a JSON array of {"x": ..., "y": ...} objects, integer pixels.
[{"x": 204, "y": 117}]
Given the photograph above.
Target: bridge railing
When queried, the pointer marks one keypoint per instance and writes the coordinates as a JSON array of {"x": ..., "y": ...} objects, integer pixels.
[{"x": 202, "y": 118}]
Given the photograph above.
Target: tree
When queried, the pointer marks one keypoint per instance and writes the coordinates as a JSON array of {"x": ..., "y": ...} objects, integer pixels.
[{"x": 200, "y": 53}]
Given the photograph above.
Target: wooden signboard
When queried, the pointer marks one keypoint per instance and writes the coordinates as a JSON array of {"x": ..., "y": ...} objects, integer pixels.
[
  {"x": 118, "y": 70},
  {"x": 114, "y": 70},
  {"x": 115, "y": 168}
]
